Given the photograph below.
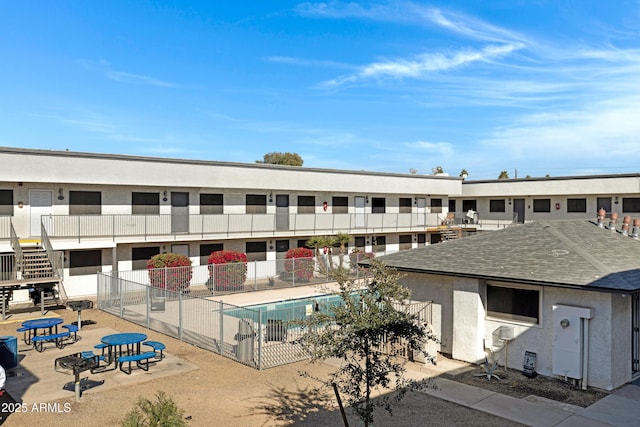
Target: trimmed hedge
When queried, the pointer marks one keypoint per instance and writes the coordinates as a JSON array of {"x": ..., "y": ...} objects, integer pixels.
[
  {"x": 300, "y": 263},
  {"x": 170, "y": 271},
  {"x": 227, "y": 270}
]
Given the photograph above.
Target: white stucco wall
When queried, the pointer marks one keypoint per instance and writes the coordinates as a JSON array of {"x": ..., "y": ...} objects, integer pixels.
[{"x": 465, "y": 328}]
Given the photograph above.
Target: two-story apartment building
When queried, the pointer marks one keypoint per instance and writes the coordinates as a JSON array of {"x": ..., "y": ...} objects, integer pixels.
[
  {"x": 113, "y": 212},
  {"x": 108, "y": 212}
]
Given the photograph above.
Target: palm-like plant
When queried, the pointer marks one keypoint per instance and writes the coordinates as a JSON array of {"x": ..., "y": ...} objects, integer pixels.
[{"x": 342, "y": 239}]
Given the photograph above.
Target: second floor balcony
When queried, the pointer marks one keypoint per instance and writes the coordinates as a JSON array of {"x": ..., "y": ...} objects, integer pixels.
[{"x": 122, "y": 228}]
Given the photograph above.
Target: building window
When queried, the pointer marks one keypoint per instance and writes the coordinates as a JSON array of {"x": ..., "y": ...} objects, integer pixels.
[
  {"x": 452, "y": 205},
  {"x": 256, "y": 251},
  {"x": 469, "y": 205},
  {"x": 379, "y": 243},
  {"x": 542, "y": 205},
  {"x": 256, "y": 203},
  {"x": 208, "y": 249},
  {"x": 436, "y": 205},
  {"x": 85, "y": 203},
  {"x": 576, "y": 205},
  {"x": 378, "y": 205},
  {"x": 496, "y": 205},
  {"x": 340, "y": 205},
  {"x": 422, "y": 238},
  {"x": 306, "y": 204},
  {"x": 6, "y": 202},
  {"x": 405, "y": 241},
  {"x": 85, "y": 262},
  {"x": 140, "y": 256},
  {"x": 514, "y": 303},
  {"x": 631, "y": 204},
  {"x": 211, "y": 204},
  {"x": 303, "y": 244},
  {"x": 360, "y": 242},
  {"x": 145, "y": 203},
  {"x": 404, "y": 205}
]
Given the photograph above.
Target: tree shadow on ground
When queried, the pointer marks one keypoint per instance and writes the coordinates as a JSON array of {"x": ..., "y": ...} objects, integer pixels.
[{"x": 296, "y": 405}]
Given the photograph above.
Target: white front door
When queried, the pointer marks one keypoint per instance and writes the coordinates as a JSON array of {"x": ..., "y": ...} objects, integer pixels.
[
  {"x": 40, "y": 203},
  {"x": 360, "y": 214}
]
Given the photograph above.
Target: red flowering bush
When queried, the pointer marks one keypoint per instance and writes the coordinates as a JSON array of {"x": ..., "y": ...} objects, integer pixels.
[
  {"x": 299, "y": 262},
  {"x": 170, "y": 271},
  {"x": 227, "y": 270}
]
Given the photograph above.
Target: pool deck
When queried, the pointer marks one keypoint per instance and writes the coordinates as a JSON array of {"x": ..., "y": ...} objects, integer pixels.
[{"x": 276, "y": 295}]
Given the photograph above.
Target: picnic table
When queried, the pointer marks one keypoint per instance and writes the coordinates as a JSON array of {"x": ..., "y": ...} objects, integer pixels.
[
  {"x": 49, "y": 326},
  {"x": 122, "y": 344}
]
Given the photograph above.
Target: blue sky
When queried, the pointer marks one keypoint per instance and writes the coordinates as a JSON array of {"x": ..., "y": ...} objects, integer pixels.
[{"x": 538, "y": 87}]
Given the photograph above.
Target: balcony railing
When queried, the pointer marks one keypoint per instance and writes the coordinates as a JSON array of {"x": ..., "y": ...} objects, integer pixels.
[{"x": 230, "y": 225}]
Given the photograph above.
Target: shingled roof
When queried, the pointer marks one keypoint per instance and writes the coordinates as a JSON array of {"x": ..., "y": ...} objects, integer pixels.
[{"x": 575, "y": 254}]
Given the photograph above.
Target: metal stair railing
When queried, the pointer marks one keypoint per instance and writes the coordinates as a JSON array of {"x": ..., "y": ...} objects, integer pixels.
[
  {"x": 17, "y": 249},
  {"x": 56, "y": 260}
]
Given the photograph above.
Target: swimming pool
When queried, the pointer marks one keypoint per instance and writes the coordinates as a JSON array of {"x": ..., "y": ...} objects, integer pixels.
[{"x": 295, "y": 309}]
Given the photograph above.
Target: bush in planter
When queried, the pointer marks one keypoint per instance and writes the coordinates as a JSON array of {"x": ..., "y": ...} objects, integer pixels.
[
  {"x": 170, "y": 271},
  {"x": 358, "y": 255},
  {"x": 299, "y": 262},
  {"x": 227, "y": 270}
]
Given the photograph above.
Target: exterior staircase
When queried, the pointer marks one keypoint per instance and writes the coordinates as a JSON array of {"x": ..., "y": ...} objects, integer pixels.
[{"x": 449, "y": 234}]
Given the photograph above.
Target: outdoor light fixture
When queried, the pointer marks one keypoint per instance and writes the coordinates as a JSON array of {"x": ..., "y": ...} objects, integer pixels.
[
  {"x": 366, "y": 199},
  {"x": 509, "y": 200},
  {"x": 164, "y": 196},
  {"x": 415, "y": 201},
  {"x": 616, "y": 200},
  {"x": 60, "y": 196},
  {"x": 20, "y": 205},
  {"x": 270, "y": 197}
]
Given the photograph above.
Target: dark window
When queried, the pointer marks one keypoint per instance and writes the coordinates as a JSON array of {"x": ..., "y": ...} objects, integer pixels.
[
  {"x": 379, "y": 243},
  {"x": 256, "y": 203},
  {"x": 631, "y": 204},
  {"x": 140, "y": 256},
  {"x": 378, "y": 204},
  {"x": 282, "y": 245},
  {"x": 85, "y": 262},
  {"x": 340, "y": 205},
  {"x": 208, "y": 249},
  {"x": 513, "y": 303},
  {"x": 211, "y": 204},
  {"x": 6, "y": 202},
  {"x": 576, "y": 205},
  {"x": 360, "y": 242},
  {"x": 404, "y": 204},
  {"x": 436, "y": 205},
  {"x": 496, "y": 205},
  {"x": 145, "y": 203},
  {"x": 542, "y": 205},
  {"x": 306, "y": 204},
  {"x": 469, "y": 205},
  {"x": 452, "y": 205},
  {"x": 405, "y": 241},
  {"x": 303, "y": 243},
  {"x": 85, "y": 203},
  {"x": 422, "y": 238},
  {"x": 256, "y": 251}
]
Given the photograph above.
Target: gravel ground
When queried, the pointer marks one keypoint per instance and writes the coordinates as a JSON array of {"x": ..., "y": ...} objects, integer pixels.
[{"x": 225, "y": 393}]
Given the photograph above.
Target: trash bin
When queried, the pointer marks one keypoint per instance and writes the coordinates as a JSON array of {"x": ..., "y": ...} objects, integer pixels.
[
  {"x": 8, "y": 352},
  {"x": 245, "y": 340}
]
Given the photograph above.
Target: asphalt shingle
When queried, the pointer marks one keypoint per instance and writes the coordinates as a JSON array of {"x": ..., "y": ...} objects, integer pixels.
[{"x": 571, "y": 253}]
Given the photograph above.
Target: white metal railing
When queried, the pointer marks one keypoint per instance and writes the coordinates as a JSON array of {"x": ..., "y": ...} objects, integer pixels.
[
  {"x": 231, "y": 225},
  {"x": 5, "y": 226},
  {"x": 464, "y": 219}
]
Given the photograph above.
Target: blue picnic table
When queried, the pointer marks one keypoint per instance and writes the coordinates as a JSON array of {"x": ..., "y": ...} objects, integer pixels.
[
  {"x": 31, "y": 327},
  {"x": 122, "y": 344}
]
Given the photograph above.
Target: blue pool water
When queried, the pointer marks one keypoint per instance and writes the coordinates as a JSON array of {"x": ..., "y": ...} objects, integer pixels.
[{"x": 296, "y": 309}]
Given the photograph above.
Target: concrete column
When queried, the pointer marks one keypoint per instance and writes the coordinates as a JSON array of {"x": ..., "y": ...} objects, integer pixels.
[{"x": 468, "y": 321}]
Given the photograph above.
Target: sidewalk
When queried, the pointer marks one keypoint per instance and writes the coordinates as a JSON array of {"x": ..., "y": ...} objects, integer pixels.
[{"x": 620, "y": 408}]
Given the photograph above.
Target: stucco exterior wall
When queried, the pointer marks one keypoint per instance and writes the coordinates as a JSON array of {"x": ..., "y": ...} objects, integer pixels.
[{"x": 465, "y": 329}]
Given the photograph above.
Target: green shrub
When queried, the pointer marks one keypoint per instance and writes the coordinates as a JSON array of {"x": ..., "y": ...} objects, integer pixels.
[
  {"x": 227, "y": 270},
  {"x": 299, "y": 262},
  {"x": 175, "y": 277},
  {"x": 160, "y": 413}
]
